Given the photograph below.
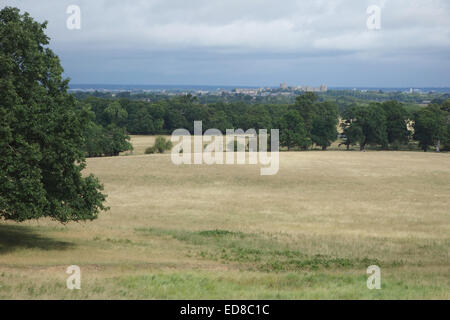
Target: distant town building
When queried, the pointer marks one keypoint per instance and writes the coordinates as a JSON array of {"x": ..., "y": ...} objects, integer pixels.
[
  {"x": 250, "y": 92},
  {"x": 322, "y": 88}
]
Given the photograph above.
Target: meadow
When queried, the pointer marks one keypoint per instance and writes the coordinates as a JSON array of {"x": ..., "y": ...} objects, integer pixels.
[{"x": 225, "y": 232}]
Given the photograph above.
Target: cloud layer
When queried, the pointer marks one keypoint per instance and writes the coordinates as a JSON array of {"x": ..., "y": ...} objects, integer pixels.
[{"x": 252, "y": 42}]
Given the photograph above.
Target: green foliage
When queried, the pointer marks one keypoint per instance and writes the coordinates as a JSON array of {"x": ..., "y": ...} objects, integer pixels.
[
  {"x": 431, "y": 127},
  {"x": 150, "y": 150},
  {"x": 115, "y": 114},
  {"x": 376, "y": 124},
  {"x": 396, "y": 122},
  {"x": 306, "y": 105},
  {"x": 292, "y": 130},
  {"x": 256, "y": 117},
  {"x": 115, "y": 140},
  {"x": 445, "y": 107},
  {"x": 95, "y": 140},
  {"x": 324, "y": 125},
  {"x": 158, "y": 113},
  {"x": 41, "y": 131},
  {"x": 161, "y": 145},
  {"x": 379, "y": 124},
  {"x": 365, "y": 125},
  {"x": 163, "y": 117},
  {"x": 103, "y": 141},
  {"x": 320, "y": 120},
  {"x": 352, "y": 132}
]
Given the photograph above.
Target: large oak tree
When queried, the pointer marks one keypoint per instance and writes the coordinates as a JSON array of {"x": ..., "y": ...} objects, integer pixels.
[{"x": 41, "y": 131}]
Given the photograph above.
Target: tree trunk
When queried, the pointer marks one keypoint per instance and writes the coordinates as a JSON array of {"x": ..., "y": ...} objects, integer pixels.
[{"x": 438, "y": 146}]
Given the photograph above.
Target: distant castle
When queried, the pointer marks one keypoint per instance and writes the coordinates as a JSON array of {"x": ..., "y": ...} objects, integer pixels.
[{"x": 322, "y": 88}]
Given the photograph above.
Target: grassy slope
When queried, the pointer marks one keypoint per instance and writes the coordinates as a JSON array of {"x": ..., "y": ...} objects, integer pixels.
[{"x": 226, "y": 232}]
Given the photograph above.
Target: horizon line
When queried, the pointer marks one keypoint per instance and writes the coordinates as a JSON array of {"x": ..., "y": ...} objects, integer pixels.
[{"x": 253, "y": 86}]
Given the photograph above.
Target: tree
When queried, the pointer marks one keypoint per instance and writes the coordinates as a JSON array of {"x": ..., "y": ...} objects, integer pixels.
[
  {"x": 353, "y": 133},
  {"x": 396, "y": 122},
  {"x": 306, "y": 105},
  {"x": 115, "y": 114},
  {"x": 41, "y": 131},
  {"x": 365, "y": 125},
  {"x": 102, "y": 141},
  {"x": 95, "y": 140},
  {"x": 430, "y": 127},
  {"x": 256, "y": 117},
  {"x": 93, "y": 133},
  {"x": 143, "y": 122},
  {"x": 115, "y": 140},
  {"x": 445, "y": 106},
  {"x": 292, "y": 130},
  {"x": 324, "y": 125},
  {"x": 219, "y": 120}
]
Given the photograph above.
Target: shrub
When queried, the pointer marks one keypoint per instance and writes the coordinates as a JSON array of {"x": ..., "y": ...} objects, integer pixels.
[
  {"x": 150, "y": 150},
  {"x": 160, "y": 146}
]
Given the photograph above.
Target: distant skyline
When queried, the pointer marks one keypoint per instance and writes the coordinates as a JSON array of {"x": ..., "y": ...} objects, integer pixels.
[
  {"x": 144, "y": 86},
  {"x": 250, "y": 43}
]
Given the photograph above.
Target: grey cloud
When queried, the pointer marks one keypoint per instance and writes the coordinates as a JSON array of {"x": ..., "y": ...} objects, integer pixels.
[{"x": 278, "y": 36}]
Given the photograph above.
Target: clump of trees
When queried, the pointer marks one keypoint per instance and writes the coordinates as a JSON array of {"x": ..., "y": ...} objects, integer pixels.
[
  {"x": 365, "y": 126},
  {"x": 42, "y": 130},
  {"x": 292, "y": 130},
  {"x": 432, "y": 126},
  {"x": 386, "y": 124},
  {"x": 109, "y": 138},
  {"x": 309, "y": 122},
  {"x": 160, "y": 146}
]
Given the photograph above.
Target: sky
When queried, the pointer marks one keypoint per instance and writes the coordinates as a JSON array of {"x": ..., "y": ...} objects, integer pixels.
[{"x": 250, "y": 42}]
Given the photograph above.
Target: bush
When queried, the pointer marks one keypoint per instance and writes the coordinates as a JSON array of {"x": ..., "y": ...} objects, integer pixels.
[
  {"x": 150, "y": 150},
  {"x": 160, "y": 146}
]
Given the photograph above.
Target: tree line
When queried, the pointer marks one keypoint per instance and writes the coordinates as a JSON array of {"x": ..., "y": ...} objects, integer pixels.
[{"x": 304, "y": 124}]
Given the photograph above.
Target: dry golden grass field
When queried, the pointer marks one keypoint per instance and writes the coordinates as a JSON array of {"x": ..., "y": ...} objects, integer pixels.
[{"x": 224, "y": 231}]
